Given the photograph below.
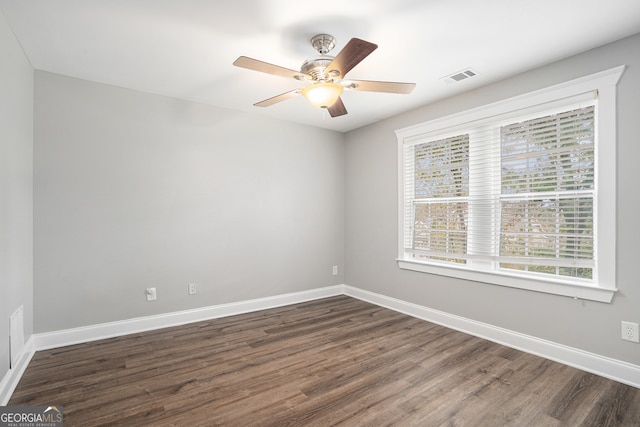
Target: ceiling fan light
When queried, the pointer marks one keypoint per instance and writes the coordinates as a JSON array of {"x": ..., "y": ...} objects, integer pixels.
[{"x": 322, "y": 94}]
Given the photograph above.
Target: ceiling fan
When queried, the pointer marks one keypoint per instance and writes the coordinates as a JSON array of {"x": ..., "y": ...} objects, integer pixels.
[{"x": 326, "y": 75}]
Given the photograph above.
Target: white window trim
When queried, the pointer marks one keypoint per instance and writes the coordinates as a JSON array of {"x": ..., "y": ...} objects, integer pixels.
[{"x": 605, "y": 84}]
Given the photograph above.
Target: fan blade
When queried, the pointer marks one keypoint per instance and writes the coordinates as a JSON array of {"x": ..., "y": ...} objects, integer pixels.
[
  {"x": 373, "y": 86},
  {"x": 350, "y": 56},
  {"x": 337, "y": 109},
  {"x": 278, "y": 98},
  {"x": 265, "y": 67}
]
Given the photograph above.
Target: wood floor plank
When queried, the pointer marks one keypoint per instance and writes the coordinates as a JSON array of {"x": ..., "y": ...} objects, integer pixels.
[{"x": 335, "y": 361}]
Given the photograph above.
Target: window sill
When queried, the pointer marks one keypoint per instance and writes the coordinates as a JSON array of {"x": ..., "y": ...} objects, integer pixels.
[{"x": 572, "y": 290}]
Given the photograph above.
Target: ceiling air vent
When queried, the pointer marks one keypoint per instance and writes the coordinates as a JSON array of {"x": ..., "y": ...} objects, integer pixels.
[{"x": 460, "y": 75}]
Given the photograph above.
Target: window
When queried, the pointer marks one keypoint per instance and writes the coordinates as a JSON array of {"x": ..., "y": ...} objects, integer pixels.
[{"x": 519, "y": 193}]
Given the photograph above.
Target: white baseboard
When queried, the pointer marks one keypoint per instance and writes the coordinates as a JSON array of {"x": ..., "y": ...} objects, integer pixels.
[
  {"x": 616, "y": 370},
  {"x": 83, "y": 334},
  {"x": 12, "y": 377}
]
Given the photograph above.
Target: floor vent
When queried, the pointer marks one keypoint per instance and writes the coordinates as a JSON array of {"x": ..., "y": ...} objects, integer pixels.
[
  {"x": 460, "y": 76},
  {"x": 16, "y": 337}
]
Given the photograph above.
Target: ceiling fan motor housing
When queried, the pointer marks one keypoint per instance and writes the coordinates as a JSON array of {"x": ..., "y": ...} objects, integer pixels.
[{"x": 315, "y": 67}]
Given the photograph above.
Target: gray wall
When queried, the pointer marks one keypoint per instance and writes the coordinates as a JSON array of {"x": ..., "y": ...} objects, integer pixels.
[
  {"x": 135, "y": 190},
  {"x": 16, "y": 187},
  {"x": 372, "y": 218}
]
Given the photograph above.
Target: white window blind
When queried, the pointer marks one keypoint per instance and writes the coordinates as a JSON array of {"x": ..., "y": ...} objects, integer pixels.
[
  {"x": 520, "y": 194},
  {"x": 547, "y": 194},
  {"x": 513, "y": 194},
  {"x": 439, "y": 204}
]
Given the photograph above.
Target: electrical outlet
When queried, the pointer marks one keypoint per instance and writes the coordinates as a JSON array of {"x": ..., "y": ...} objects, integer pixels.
[
  {"x": 335, "y": 270},
  {"x": 151, "y": 294},
  {"x": 630, "y": 332},
  {"x": 192, "y": 288}
]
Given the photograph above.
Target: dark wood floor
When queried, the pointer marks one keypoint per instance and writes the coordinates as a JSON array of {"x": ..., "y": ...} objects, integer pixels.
[{"x": 337, "y": 361}]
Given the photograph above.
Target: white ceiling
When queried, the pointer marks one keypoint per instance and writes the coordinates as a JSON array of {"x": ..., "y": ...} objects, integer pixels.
[{"x": 185, "y": 48}]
